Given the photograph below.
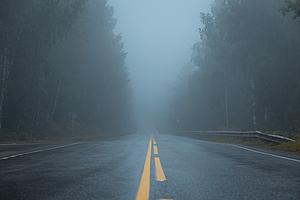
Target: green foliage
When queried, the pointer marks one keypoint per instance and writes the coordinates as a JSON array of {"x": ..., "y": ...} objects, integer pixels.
[
  {"x": 248, "y": 70},
  {"x": 293, "y": 6},
  {"x": 66, "y": 67}
]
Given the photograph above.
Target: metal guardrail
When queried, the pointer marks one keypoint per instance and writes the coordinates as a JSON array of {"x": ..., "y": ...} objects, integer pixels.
[{"x": 248, "y": 134}]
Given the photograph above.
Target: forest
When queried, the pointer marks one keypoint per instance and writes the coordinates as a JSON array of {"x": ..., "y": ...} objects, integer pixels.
[
  {"x": 245, "y": 70},
  {"x": 62, "y": 69}
]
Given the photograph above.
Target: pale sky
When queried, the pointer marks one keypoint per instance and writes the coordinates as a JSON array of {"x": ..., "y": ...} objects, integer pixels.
[{"x": 158, "y": 36}]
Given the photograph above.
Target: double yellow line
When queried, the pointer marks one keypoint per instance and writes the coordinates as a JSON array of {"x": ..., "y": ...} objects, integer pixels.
[{"x": 144, "y": 187}]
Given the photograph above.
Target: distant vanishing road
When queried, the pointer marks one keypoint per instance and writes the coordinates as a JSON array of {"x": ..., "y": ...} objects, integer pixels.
[{"x": 142, "y": 167}]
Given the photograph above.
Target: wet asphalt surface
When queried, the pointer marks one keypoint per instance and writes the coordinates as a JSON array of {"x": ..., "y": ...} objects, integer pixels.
[{"x": 111, "y": 169}]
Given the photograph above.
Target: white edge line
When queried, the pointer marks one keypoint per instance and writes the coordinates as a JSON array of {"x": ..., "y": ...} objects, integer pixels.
[
  {"x": 38, "y": 151},
  {"x": 268, "y": 154},
  {"x": 18, "y": 144}
]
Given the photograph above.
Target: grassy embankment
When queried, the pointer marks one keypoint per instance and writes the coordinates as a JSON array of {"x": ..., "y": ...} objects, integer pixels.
[
  {"x": 293, "y": 147},
  {"x": 56, "y": 137}
]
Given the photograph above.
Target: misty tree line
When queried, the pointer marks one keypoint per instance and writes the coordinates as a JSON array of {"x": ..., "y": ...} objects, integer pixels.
[
  {"x": 293, "y": 6},
  {"x": 61, "y": 68},
  {"x": 246, "y": 72}
]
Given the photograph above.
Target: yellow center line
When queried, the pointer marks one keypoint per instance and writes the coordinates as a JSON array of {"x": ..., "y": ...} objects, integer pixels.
[
  {"x": 160, "y": 175},
  {"x": 155, "y": 150},
  {"x": 144, "y": 187}
]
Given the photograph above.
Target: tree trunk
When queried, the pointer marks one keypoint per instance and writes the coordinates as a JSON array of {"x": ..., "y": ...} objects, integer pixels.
[
  {"x": 226, "y": 108},
  {"x": 54, "y": 105},
  {"x": 4, "y": 69},
  {"x": 253, "y": 98}
]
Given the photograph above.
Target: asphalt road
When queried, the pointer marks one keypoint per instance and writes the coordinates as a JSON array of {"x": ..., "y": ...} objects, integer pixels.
[{"x": 117, "y": 169}]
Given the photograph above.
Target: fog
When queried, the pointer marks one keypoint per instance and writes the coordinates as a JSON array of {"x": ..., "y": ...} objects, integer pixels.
[
  {"x": 149, "y": 99},
  {"x": 72, "y": 68},
  {"x": 158, "y": 36}
]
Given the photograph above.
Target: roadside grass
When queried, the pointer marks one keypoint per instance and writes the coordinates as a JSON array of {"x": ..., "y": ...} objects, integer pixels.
[
  {"x": 57, "y": 137},
  {"x": 292, "y": 147},
  {"x": 56, "y": 133},
  {"x": 288, "y": 146}
]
